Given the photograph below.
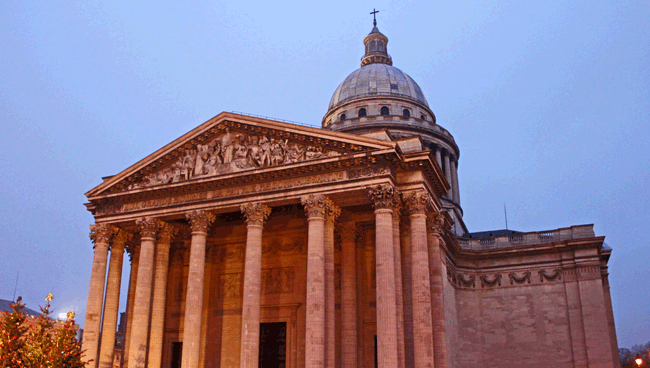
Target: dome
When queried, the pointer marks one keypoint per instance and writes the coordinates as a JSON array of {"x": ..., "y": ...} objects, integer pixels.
[{"x": 377, "y": 79}]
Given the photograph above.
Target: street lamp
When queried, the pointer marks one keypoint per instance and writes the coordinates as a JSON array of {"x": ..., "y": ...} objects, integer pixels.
[{"x": 638, "y": 360}]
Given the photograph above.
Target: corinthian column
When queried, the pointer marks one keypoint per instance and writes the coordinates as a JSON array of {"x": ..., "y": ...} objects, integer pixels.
[
  {"x": 399, "y": 296},
  {"x": 383, "y": 198},
  {"x": 315, "y": 320},
  {"x": 100, "y": 234},
  {"x": 200, "y": 222},
  {"x": 348, "y": 296},
  {"x": 436, "y": 221},
  {"x": 331, "y": 213},
  {"x": 159, "y": 295},
  {"x": 142, "y": 307},
  {"x": 134, "y": 253},
  {"x": 416, "y": 204},
  {"x": 256, "y": 214},
  {"x": 112, "y": 303}
]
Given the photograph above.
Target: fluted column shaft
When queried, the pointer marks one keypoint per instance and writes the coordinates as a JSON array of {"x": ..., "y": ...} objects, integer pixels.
[
  {"x": 331, "y": 213},
  {"x": 315, "y": 319},
  {"x": 200, "y": 222},
  {"x": 448, "y": 176},
  {"x": 112, "y": 302},
  {"x": 421, "y": 286},
  {"x": 399, "y": 296},
  {"x": 255, "y": 214},
  {"x": 435, "y": 226},
  {"x": 348, "y": 296},
  {"x": 130, "y": 302},
  {"x": 383, "y": 198},
  {"x": 101, "y": 235},
  {"x": 144, "y": 285},
  {"x": 159, "y": 296}
]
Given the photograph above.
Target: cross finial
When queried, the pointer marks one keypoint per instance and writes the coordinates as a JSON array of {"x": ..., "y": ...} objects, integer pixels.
[{"x": 374, "y": 17}]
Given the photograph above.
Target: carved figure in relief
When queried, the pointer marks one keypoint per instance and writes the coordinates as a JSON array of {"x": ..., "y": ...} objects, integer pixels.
[
  {"x": 227, "y": 147},
  {"x": 231, "y": 153}
]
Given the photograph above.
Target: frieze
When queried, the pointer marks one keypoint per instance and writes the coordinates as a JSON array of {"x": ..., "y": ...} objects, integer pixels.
[
  {"x": 470, "y": 281},
  {"x": 553, "y": 275},
  {"x": 519, "y": 279},
  {"x": 233, "y": 152},
  {"x": 490, "y": 281},
  {"x": 221, "y": 193},
  {"x": 368, "y": 171}
]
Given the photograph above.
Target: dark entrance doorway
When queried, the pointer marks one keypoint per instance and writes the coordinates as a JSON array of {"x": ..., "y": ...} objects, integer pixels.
[{"x": 273, "y": 345}]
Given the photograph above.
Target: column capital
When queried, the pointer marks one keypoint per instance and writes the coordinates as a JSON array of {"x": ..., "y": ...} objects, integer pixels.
[
  {"x": 200, "y": 220},
  {"x": 256, "y": 213},
  {"x": 384, "y": 196},
  {"x": 435, "y": 222},
  {"x": 315, "y": 205},
  {"x": 149, "y": 227},
  {"x": 167, "y": 232},
  {"x": 120, "y": 238},
  {"x": 101, "y": 233},
  {"x": 417, "y": 202},
  {"x": 332, "y": 211}
]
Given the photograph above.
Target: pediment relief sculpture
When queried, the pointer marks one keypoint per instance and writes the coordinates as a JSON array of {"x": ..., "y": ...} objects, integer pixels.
[{"x": 233, "y": 152}]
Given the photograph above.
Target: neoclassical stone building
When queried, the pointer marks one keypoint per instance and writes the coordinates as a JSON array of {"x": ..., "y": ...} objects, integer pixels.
[{"x": 256, "y": 242}]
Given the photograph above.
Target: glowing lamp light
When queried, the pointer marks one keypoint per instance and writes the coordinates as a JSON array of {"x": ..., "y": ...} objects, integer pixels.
[{"x": 638, "y": 361}]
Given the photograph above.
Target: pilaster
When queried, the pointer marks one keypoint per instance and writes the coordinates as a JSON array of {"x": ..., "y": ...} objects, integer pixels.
[{"x": 435, "y": 225}]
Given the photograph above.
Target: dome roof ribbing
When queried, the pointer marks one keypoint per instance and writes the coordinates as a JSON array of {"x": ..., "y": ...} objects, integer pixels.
[{"x": 377, "y": 79}]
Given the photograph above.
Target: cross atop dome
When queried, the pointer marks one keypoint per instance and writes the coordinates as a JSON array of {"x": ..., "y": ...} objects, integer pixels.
[{"x": 374, "y": 18}]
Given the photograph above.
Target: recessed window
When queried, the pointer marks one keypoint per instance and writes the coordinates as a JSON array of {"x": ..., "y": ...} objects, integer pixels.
[
  {"x": 381, "y": 46},
  {"x": 373, "y": 46},
  {"x": 384, "y": 111},
  {"x": 362, "y": 113},
  {"x": 423, "y": 117},
  {"x": 406, "y": 113},
  {"x": 342, "y": 117}
]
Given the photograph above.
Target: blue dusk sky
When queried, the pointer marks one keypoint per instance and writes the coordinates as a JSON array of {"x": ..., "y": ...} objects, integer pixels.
[{"x": 549, "y": 102}]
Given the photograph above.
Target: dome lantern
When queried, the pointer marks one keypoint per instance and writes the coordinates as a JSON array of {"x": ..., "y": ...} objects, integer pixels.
[{"x": 376, "y": 48}]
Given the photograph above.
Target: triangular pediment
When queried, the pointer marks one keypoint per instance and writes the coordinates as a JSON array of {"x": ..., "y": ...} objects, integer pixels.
[{"x": 232, "y": 143}]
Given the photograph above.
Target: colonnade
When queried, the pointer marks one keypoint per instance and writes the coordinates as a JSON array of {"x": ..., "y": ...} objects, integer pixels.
[
  {"x": 449, "y": 164},
  {"x": 410, "y": 312}
]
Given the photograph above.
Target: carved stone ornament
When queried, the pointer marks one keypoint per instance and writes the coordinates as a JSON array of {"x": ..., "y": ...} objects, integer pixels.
[
  {"x": 200, "y": 220},
  {"x": 435, "y": 222},
  {"x": 451, "y": 274},
  {"x": 232, "y": 152},
  {"x": 491, "y": 281},
  {"x": 315, "y": 206},
  {"x": 470, "y": 281},
  {"x": 256, "y": 213},
  {"x": 556, "y": 274},
  {"x": 148, "y": 226},
  {"x": 519, "y": 279},
  {"x": 120, "y": 238},
  {"x": 383, "y": 196},
  {"x": 101, "y": 233},
  {"x": 332, "y": 211},
  {"x": 167, "y": 232},
  {"x": 416, "y": 202}
]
